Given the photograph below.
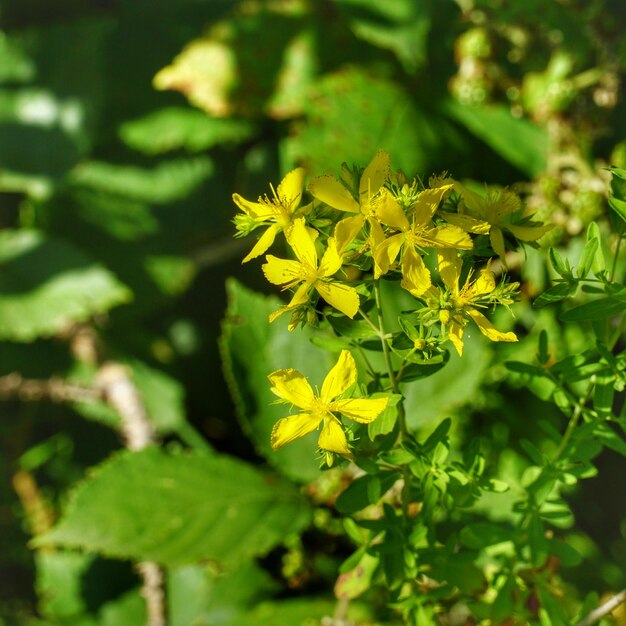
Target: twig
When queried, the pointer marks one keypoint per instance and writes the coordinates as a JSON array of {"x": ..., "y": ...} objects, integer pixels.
[
  {"x": 121, "y": 393},
  {"x": 153, "y": 592},
  {"x": 54, "y": 389},
  {"x": 604, "y": 609},
  {"x": 38, "y": 513}
]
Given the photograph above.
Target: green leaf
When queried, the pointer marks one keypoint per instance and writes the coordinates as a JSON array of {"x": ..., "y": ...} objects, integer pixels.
[
  {"x": 587, "y": 257},
  {"x": 451, "y": 387},
  {"x": 561, "y": 267},
  {"x": 386, "y": 421},
  {"x": 557, "y": 292},
  {"x": 482, "y": 534},
  {"x": 619, "y": 206},
  {"x": 178, "y": 508},
  {"x": 420, "y": 367},
  {"x": 525, "y": 368},
  {"x": 128, "y": 609},
  {"x": 245, "y": 332},
  {"x": 339, "y": 107},
  {"x": 46, "y": 284},
  {"x": 610, "y": 438},
  {"x": 59, "y": 583},
  {"x": 175, "y": 128},
  {"x": 400, "y": 26},
  {"x": 198, "y": 595},
  {"x": 15, "y": 65},
  {"x": 358, "y": 494},
  {"x": 169, "y": 181},
  {"x": 597, "y": 310},
  {"x": 598, "y": 264},
  {"x": 517, "y": 140},
  {"x": 297, "y": 612},
  {"x": 358, "y": 580}
]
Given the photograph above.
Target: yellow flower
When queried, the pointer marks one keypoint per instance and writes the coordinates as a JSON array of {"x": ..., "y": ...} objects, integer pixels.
[
  {"x": 414, "y": 236},
  {"x": 329, "y": 190},
  {"x": 292, "y": 387},
  {"x": 306, "y": 272},
  {"x": 491, "y": 215},
  {"x": 461, "y": 302},
  {"x": 277, "y": 212}
]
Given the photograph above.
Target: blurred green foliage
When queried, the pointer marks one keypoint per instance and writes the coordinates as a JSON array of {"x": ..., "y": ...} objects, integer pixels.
[{"x": 125, "y": 126}]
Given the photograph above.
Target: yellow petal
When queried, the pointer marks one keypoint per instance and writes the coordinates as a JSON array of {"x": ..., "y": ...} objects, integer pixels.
[
  {"x": 331, "y": 261},
  {"x": 449, "y": 263},
  {"x": 488, "y": 329},
  {"x": 427, "y": 203},
  {"x": 281, "y": 271},
  {"x": 485, "y": 283},
  {"x": 333, "y": 193},
  {"x": 292, "y": 386},
  {"x": 497, "y": 242},
  {"x": 449, "y": 236},
  {"x": 455, "y": 334},
  {"x": 341, "y": 297},
  {"x": 363, "y": 410},
  {"x": 290, "y": 428},
  {"x": 260, "y": 212},
  {"x": 386, "y": 253},
  {"x": 528, "y": 233},
  {"x": 276, "y": 314},
  {"x": 470, "y": 224},
  {"x": 374, "y": 176},
  {"x": 302, "y": 243},
  {"x": 501, "y": 203},
  {"x": 291, "y": 187},
  {"x": 301, "y": 296},
  {"x": 389, "y": 212},
  {"x": 472, "y": 203},
  {"x": 332, "y": 438},
  {"x": 415, "y": 275},
  {"x": 264, "y": 242},
  {"x": 346, "y": 230},
  {"x": 340, "y": 378}
]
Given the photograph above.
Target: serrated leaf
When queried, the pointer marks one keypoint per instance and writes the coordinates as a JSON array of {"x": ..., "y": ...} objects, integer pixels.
[
  {"x": 517, "y": 140},
  {"x": 450, "y": 387},
  {"x": 175, "y": 128},
  {"x": 169, "y": 181},
  {"x": 246, "y": 331},
  {"x": 46, "y": 284},
  {"x": 198, "y": 595},
  {"x": 337, "y": 109},
  {"x": 401, "y": 27},
  {"x": 178, "y": 508}
]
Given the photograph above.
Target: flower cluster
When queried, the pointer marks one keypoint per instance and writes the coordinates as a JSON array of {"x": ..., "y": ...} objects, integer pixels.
[{"x": 374, "y": 224}]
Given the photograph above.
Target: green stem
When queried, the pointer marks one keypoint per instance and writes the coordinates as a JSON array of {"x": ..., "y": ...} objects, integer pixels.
[
  {"x": 615, "y": 258},
  {"x": 404, "y": 432},
  {"x": 574, "y": 419}
]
